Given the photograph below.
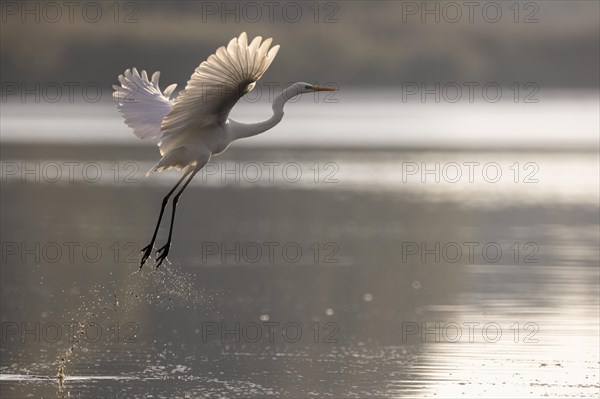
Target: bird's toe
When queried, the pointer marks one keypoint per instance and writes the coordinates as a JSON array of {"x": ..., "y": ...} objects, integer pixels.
[{"x": 147, "y": 251}]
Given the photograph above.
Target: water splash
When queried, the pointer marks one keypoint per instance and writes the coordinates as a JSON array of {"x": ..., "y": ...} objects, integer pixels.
[{"x": 164, "y": 287}]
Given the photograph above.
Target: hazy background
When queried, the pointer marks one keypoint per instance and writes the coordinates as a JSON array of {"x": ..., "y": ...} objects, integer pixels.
[
  {"x": 353, "y": 43},
  {"x": 532, "y": 66},
  {"x": 354, "y": 149}
]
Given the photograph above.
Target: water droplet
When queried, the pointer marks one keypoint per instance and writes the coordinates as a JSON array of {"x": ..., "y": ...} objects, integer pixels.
[
  {"x": 416, "y": 284},
  {"x": 264, "y": 317},
  {"x": 368, "y": 297},
  {"x": 329, "y": 312}
]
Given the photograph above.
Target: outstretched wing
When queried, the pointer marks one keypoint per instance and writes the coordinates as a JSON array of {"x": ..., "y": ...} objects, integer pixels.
[
  {"x": 142, "y": 103},
  {"x": 218, "y": 83}
]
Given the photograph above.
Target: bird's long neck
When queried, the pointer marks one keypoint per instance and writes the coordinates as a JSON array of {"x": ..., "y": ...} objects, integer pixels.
[{"x": 243, "y": 130}]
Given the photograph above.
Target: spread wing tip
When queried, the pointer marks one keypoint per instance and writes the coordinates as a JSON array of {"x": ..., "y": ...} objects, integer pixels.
[{"x": 219, "y": 82}]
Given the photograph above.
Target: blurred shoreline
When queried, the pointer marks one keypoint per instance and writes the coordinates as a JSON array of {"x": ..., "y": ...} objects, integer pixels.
[
  {"x": 13, "y": 150},
  {"x": 555, "y": 120}
]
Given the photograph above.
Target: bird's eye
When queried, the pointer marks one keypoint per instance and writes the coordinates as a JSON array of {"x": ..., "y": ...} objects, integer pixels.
[{"x": 307, "y": 87}]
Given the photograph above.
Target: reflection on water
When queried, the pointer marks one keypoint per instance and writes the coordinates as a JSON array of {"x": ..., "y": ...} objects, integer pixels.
[
  {"x": 356, "y": 118},
  {"x": 474, "y": 179},
  {"x": 402, "y": 288}
]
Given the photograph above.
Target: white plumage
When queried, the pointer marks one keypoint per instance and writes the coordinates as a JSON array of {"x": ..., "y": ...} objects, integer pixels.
[
  {"x": 195, "y": 126},
  {"x": 218, "y": 83},
  {"x": 210, "y": 94},
  {"x": 142, "y": 104}
]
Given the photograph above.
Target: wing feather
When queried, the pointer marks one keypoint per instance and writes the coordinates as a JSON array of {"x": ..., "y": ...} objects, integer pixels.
[
  {"x": 218, "y": 83},
  {"x": 252, "y": 50},
  {"x": 142, "y": 103},
  {"x": 243, "y": 50}
]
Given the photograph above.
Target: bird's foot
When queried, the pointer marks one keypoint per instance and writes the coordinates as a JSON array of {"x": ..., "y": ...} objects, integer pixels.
[
  {"x": 147, "y": 250},
  {"x": 163, "y": 251}
]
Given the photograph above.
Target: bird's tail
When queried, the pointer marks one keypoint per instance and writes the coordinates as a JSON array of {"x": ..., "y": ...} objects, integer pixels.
[
  {"x": 181, "y": 158},
  {"x": 142, "y": 103},
  {"x": 173, "y": 159}
]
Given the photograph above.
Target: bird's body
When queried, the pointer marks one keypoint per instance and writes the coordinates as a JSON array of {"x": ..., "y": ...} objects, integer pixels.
[
  {"x": 195, "y": 126},
  {"x": 194, "y": 146}
]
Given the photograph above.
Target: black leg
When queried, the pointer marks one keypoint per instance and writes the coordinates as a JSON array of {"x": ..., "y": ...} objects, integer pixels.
[
  {"x": 147, "y": 250},
  {"x": 164, "y": 250}
]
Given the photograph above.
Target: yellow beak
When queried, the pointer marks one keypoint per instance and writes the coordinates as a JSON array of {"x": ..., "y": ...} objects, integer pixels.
[{"x": 321, "y": 88}]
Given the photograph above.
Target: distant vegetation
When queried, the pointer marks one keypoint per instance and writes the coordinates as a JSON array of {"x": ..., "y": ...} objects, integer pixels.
[{"x": 551, "y": 43}]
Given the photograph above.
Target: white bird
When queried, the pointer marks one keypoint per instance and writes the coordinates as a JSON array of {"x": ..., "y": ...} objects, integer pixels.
[{"x": 193, "y": 127}]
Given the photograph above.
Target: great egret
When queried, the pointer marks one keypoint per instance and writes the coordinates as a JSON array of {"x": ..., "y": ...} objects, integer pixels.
[{"x": 196, "y": 125}]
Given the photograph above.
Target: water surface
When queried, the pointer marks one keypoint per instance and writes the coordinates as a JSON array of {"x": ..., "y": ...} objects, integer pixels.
[{"x": 357, "y": 313}]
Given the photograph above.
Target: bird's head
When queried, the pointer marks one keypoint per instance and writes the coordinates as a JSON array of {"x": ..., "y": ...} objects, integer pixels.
[{"x": 302, "y": 87}]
